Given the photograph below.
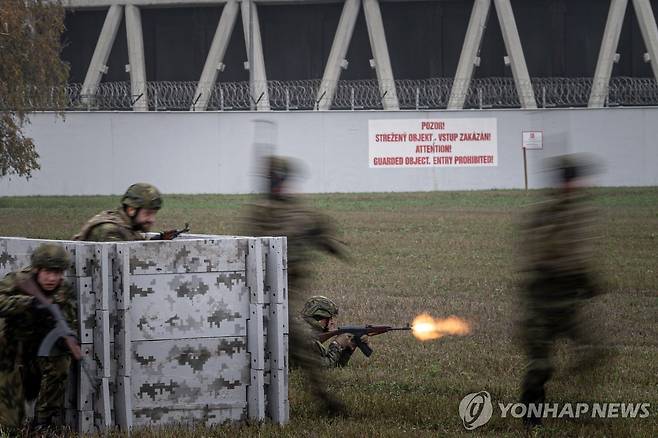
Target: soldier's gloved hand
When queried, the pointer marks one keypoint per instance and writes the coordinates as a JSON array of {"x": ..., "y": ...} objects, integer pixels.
[
  {"x": 167, "y": 235},
  {"x": 345, "y": 341}
]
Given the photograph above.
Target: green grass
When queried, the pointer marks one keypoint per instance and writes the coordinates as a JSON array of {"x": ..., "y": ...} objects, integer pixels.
[{"x": 444, "y": 253}]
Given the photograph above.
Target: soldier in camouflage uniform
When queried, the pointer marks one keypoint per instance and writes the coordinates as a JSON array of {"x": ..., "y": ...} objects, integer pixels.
[
  {"x": 23, "y": 325},
  {"x": 320, "y": 314},
  {"x": 281, "y": 214},
  {"x": 558, "y": 279},
  {"x": 135, "y": 216}
]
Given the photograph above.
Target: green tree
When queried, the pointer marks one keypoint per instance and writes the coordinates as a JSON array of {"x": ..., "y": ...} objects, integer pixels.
[{"x": 32, "y": 76}]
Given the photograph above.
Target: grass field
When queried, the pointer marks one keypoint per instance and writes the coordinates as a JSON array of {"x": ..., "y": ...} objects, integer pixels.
[{"x": 446, "y": 253}]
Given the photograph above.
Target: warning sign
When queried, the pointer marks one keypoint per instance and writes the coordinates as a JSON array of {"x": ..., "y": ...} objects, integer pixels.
[
  {"x": 433, "y": 143},
  {"x": 533, "y": 139}
]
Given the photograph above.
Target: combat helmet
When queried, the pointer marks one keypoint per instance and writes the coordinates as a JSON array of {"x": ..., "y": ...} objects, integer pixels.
[
  {"x": 573, "y": 166},
  {"x": 142, "y": 195},
  {"x": 317, "y": 308},
  {"x": 278, "y": 170},
  {"x": 51, "y": 256}
]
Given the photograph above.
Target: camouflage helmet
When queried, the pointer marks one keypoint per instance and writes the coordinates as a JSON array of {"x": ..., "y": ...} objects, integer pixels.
[
  {"x": 278, "y": 170},
  {"x": 319, "y": 307},
  {"x": 142, "y": 195},
  {"x": 51, "y": 256}
]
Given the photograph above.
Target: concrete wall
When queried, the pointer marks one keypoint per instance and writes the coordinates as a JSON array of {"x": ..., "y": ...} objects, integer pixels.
[{"x": 103, "y": 153}]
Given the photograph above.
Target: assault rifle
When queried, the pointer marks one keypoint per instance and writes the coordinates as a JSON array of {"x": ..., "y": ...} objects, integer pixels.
[
  {"x": 61, "y": 330},
  {"x": 358, "y": 331},
  {"x": 171, "y": 234}
]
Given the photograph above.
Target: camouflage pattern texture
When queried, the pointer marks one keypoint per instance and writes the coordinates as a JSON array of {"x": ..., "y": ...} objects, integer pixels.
[
  {"x": 164, "y": 327},
  {"x": 15, "y": 254},
  {"x": 559, "y": 279},
  {"x": 86, "y": 305},
  {"x": 188, "y": 312},
  {"x": 185, "y": 256},
  {"x": 50, "y": 256},
  {"x": 277, "y": 329},
  {"x": 305, "y": 229},
  {"x": 213, "y": 415},
  {"x": 22, "y": 374},
  {"x": 142, "y": 195},
  {"x": 188, "y": 375},
  {"x": 180, "y": 306},
  {"x": 331, "y": 353},
  {"x": 109, "y": 226}
]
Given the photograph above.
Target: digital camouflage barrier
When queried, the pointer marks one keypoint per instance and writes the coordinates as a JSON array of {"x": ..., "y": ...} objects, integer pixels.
[{"x": 189, "y": 330}]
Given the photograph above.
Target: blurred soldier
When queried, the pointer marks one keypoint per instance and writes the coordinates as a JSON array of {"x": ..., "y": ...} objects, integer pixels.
[
  {"x": 558, "y": 278},
  {"x": 135, "y": 216},
  {"x": 321, "y": 313},
  {"x": 281, "y": 214},
  {"x": 23, "y": 325}
]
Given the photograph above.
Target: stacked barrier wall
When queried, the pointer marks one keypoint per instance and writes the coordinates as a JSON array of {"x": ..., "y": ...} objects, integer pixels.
[{"x": 185, "y": 331}]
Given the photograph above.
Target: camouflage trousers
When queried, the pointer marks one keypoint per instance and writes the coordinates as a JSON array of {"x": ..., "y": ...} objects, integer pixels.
[
  {"x": 34, "y": 378},
  {"x": 304, "y": 356},
  {"x": 541, "y": 331}
]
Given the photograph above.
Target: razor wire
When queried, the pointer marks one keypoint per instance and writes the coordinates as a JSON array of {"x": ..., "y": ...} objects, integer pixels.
[{"x": 368, "y": 94}]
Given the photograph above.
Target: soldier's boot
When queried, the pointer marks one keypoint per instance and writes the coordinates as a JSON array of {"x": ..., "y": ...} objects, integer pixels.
[
  {"x": 531, "y": 397},
  {"x": 533, "y": 393}
]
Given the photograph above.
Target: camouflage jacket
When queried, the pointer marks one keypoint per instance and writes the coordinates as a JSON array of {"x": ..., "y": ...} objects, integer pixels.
[
  {"x": 20, "y": 323},
  {"x": 304, "y": 229},
  {"x": 558, "y": 237},
  {"x": 109, "y": 226},
  {"x": 331, "y": 353}
]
